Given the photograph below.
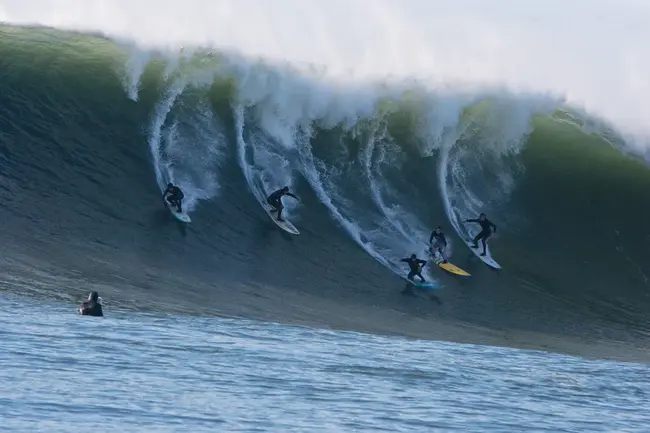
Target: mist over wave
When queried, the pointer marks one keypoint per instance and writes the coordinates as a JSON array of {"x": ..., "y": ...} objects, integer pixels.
[{"x": 542, "y": 46}]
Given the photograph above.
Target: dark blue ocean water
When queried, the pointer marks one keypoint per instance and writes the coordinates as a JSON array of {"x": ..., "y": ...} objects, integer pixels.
[{"x": 133, "y": 372}]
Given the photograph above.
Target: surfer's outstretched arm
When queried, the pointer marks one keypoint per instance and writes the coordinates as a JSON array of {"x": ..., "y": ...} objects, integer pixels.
[
  {"x": 494, "y": 227},
  {"x": 292, "y": 195}
]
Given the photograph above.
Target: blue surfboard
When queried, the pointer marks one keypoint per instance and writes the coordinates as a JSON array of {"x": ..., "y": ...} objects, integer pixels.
[{"x": 424, "y": 286}]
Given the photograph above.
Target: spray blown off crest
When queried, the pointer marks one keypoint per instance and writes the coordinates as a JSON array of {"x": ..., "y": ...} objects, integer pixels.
[{"x": 520, "y": 46}]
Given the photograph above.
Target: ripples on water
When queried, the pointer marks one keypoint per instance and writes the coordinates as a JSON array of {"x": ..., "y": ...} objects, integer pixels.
[{"x": 133, "y": 372}]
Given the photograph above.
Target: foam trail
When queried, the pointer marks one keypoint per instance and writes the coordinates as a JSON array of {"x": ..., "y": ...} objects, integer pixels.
[
  {"x": 162, "y": 169},
  {"x": 264, "y": 170},
  {"x": 133, "y": 70},
  {"x": 408, "y": 229},
  {"x": 318, "y": 182},
  {"x": 496, "y": 132}
]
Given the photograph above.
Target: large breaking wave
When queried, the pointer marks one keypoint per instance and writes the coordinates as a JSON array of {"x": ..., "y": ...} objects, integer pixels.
[{"x": 92, "y": 130}]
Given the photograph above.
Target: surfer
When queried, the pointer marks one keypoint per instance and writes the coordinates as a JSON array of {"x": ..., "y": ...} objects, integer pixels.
[
  {"x": 91, "y": 307},
  {"x": 438, "y": 241},
  {"x": 174, "y": 196},
  {"x": 275, "y": 200},
  {"x": 487, "y": 229},
  {"x": 415, "y": 265}
]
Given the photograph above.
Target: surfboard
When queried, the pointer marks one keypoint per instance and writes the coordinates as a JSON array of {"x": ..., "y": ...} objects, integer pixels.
[
  {"x": 487, "y": 259},
  {"x": 182, "y": 217},
  {"x": 449, "y": 267},
  {"x": 427, "y": 285},
  {"x": 284, "y": 225}
]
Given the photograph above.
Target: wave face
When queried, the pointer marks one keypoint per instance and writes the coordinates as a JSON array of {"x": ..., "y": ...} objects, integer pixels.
[{"x": 92, "y": 130}]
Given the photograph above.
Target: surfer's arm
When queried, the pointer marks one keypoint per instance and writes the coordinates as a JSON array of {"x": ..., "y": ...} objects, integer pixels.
[
  {"x": 165, "y": 193},
  {"x": 431, "y": 237},
  {"x": 494, "y": 227},
  {"x": 471, "y": 221},
  {"x": 422, "y": 262},
  {"x": 291, "y": 195}
]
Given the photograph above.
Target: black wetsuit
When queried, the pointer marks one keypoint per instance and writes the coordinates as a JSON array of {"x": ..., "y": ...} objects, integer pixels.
[
  {"x": 441, "y": 242},
  {"x": 275, "y": 200},
  {"x": 91, "y": 307},
  {"x": 487, "y": 228},
  {"x": 415, "y": 265},
  {"x": 175, "y": 196}
]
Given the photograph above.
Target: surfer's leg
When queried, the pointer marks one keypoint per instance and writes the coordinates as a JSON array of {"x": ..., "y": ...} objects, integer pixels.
[
  {"x": 410, "y": 275},
  {"x": 280, "y": 209},
  {"x": 476, "y": 239},
  {"x": 419, "y": 274},
  {"x": 484, "y": 241}
]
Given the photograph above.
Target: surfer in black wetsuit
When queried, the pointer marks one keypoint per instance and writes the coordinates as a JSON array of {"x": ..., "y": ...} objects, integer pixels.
[
  {"x": 91, "y": 307},
  {"x": 415, "y": 265},
  {"x": 275, "y": 200},
  {"x": 437, "y": 241},
  {"x": 487, "y": 229},
  {"x": 174, "y": 196}
]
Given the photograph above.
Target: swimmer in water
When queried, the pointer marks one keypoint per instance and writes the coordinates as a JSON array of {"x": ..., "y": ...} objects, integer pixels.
[
  {"x": 91, "y": 307},
  {"x": 438, "y": 242}
]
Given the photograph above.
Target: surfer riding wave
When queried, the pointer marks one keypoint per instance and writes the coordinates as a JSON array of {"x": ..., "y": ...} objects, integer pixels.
[
  {"x": 415, "y": 266},
  {"x": 275, "y": 201},
  {"x": 174, "y": 196},
  {"x": 488, "y": 228}
]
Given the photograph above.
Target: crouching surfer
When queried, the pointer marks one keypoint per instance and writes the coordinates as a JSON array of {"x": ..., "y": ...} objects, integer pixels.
[
  {"x": 174, "y": 196},
  {"x": 415, "y": 266},
  {"x": 92, "y": 306}
]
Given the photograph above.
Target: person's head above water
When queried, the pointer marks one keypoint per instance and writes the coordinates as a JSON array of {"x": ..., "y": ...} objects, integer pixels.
[
  {"x": 169, "y": 185},
  {"x": 438, "y": 229},
  {"x": 93, "y": 296},
  {"x": 414, "y": 256},
  {"x": 482, "y": 216},
  {"x": 285, "y": 188}
]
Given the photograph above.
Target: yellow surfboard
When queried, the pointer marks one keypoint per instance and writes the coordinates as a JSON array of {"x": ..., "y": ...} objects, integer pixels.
[{"x": 452, "y": 268}]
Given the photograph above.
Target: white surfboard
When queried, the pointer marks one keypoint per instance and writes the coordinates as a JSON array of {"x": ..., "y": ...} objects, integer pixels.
[
  {"x": 181, "y": 216},
  {"x": 487, "y": 258},
  {"x": 284, "y": 225}
]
